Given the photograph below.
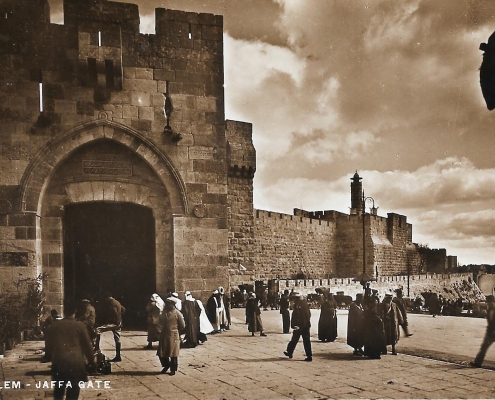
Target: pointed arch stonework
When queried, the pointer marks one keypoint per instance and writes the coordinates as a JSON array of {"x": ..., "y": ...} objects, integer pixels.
[
  {"x": 38, "y": 196},
  {"x": 38, "y": 173}
]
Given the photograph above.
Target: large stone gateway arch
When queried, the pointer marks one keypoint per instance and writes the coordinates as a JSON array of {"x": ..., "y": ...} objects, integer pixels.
[{"x": 103, "y": 163}]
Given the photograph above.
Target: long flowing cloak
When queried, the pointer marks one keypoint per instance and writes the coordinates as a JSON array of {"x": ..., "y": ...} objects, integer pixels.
[
  {"x": 327, "y": 324},
  {"x": 392, "y": 319},
  {"x": 355, "y": 336},
  {"x": 191, "y": 312}
]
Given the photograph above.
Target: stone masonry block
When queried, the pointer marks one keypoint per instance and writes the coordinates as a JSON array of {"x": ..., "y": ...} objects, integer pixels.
[
  {"x": 140, "y": 99},
  {"x": 140, "y": 85},
  {"x": 131, "y": 112},
  {"x": 144, "y": 73},
  {"x": 146, "y": 113},
  {"x": 7, "y": 233}
]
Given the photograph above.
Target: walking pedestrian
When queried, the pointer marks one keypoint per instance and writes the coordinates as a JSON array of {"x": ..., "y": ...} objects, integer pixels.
[
  {"x": 109, "y": 317},
  {"x": 355, "y": 334},
  {"x": 489, "y": 334},
  {"x": 401, "y": 304},
  {"x": 154, "y": 310},
  {"x": 69, "y": 345},
  {"x": 253, "y": 314},
  {"x": 301, "y": 324},
  {"x": 169, "y": 344},
  {"x": 284, "y": 311}
]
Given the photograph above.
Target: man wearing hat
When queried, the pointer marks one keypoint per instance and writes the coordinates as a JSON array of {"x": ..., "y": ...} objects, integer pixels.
[
  {"x": 169, "y": 344},
  {"x": 490, "y": 332},
  {"x": 284, "y": 311},
  {"x": 301, "y": 324}
]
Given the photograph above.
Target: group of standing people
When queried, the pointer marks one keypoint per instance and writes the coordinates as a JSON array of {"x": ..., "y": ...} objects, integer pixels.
[
  {"x": 373, "y": 326},
  {"x": 176, "y": 324}
]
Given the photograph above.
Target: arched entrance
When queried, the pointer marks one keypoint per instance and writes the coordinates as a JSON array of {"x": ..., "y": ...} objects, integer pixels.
[
  {"x": 110, "y": 247},
  {"x": 101, "y": 161}
]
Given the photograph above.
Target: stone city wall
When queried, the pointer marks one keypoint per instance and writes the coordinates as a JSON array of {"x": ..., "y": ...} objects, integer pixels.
[{"x": 384, "y": 284}]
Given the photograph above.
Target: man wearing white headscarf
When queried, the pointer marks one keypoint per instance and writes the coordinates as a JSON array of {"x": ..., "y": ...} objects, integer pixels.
[
  {"x": 191, "y": 312},
  {"x": 154, "y": 308},
  {"x": 212, "y": 306},
  {"x": 178, "y": 302},
  {"x": 222, "y": 317}
]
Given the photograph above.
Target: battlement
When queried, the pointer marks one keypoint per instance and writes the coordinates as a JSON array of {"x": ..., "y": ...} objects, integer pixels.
[
  {"x": 300, "y": 220},
  {"x": 102, "y": 11},
  {"x": 327, "y": 215},
  {"x": 24, "y": 12}
]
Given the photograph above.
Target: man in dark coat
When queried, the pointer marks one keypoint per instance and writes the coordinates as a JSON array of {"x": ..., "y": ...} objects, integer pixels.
[
  {"x": 53, "y": 317},
  {"x": 212, "y": 306},
  {"x": 327, "y": 324},
  {"x": 284, "y": 311},
  {"x": 301, "y": 324},
  {"x": 69, "y": 343},
  {"x": 355, "y": 336},
  {"x": 373, "y": 328},
  {"x": 191, "y": 312},
  {"x": 490, "y": 332},
  {"x": 253, "y": 315},
  {"x": 109, "y": 318}
]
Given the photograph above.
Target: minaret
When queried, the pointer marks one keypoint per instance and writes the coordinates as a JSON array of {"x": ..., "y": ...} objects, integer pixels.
[{"x": 356, "y": 195}]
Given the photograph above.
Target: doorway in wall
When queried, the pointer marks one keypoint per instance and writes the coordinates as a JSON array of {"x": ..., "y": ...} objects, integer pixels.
[{"x": 110, "y": 246}]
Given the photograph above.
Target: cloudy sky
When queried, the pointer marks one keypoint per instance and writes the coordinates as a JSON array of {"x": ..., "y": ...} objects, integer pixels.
[{"x": 387, "y": 88}]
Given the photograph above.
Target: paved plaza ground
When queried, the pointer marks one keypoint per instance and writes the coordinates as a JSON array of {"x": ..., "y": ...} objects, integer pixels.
[{"x": 431, "y": 364}]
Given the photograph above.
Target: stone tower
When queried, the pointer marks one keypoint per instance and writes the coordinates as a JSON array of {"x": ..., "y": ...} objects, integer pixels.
[{"x": 356, "y": 195}]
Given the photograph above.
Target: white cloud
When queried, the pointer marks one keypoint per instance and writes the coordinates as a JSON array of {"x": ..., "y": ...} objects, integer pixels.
[{"x": 331, "y": 147}]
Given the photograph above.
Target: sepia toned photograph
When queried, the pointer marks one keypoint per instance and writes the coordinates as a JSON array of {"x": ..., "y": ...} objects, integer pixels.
[{"x": 241, "y": 200}]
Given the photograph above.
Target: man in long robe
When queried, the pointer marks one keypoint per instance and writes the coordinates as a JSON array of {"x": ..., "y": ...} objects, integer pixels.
[
  {"x": 327, "y": 324},
  {"x": 392, "y": 319},
  {"x": 284, "y": 311},
  {"x": 253, "y": 315},
  {"x": 212, "y": 311},
  {"x": 355, "y": 336},
  {"x": 373, "y": 328},
  {"x": 191, "y": 312},
  {"x": 401, "y": 304}
]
